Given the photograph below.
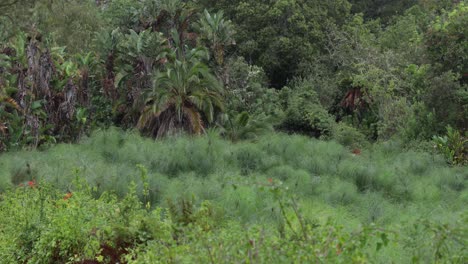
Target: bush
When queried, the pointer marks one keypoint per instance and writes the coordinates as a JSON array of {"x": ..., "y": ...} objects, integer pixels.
[
  {"x": 303, "y": 112},
  {"x": 341, "y": 193},
  {"x": 72, "y": 227},
  {"x": 249, "y": 159},
  {"x": 453, "y": 146},
  {"x": 349, "y": 136},
  {"x": 247, "y": 87}
]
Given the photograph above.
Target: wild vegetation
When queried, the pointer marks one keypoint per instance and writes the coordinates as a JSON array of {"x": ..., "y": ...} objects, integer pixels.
[
  {"x": 147, "y": 131},
  {"x": 207, "y": 200}
]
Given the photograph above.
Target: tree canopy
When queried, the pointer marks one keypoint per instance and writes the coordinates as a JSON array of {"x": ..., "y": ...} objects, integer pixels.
[{"x": 382, "y": 69}]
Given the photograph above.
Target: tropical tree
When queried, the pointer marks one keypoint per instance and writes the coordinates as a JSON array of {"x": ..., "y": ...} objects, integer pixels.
[
  {"x": 139, "y": 54},
  {"x": 447, "y": 39},
  {"x": 169, "y": 16},
  {"x": 283, "y": 35},
  {"x": 183, "y": 98},
  {"x": 217, "y": 33}
]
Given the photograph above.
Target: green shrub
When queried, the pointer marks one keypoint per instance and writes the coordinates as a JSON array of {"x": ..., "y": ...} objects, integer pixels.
[
  {"x": 41, "y": 224},
  {"x": 303, "y": 112},
  {"x": 453, "y": 146},
  {"x": 348, "y": 136},
  {"x": 340, "y": 193}
]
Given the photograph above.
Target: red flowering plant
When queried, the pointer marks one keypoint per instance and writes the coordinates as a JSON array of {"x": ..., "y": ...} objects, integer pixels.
[{"x": 31, "y": 184}]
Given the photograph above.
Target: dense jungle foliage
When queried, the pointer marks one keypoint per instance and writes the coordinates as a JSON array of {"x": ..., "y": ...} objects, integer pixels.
[{"x": 229, "y": 131}]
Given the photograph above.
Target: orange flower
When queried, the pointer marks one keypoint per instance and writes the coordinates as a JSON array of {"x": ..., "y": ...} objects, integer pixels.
[
  {"x": 67, "y": 196},
  {"x": 32, "y": 184},
  {"x": 270, "y": 180},
  {"x": 356, "y": 151}
]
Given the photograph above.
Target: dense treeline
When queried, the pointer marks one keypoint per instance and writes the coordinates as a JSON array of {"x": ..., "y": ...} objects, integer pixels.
[{"x": 339, "y": 70}]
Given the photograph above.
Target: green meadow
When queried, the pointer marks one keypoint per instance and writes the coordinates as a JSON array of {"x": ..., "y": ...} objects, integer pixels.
[{"x": 275, "y": 190}]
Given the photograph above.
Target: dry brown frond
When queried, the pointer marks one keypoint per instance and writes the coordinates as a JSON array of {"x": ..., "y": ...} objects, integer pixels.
[
  {"x": 195, "y": 120},
  {"x": 12, "y": 103}
]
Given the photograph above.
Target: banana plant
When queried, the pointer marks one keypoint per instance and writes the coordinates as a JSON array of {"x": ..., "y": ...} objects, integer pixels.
[
  {"x": 38, "y": 93},
  {"x": 87, "y": 66}
]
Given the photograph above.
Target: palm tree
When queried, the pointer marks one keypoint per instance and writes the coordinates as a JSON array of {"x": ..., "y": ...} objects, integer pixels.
[
  {"x": 171, "y": 15},
  {"x": 217, "y": 33},
  {"x": 182, "y": 97},
  {"x": 140, "y": 53}
]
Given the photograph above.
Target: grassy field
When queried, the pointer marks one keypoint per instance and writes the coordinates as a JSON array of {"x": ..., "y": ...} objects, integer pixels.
[{"x": 280, "y": 199}]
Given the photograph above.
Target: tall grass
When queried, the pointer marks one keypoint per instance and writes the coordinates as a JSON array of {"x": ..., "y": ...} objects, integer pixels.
[{"x": 381, "y": 184}]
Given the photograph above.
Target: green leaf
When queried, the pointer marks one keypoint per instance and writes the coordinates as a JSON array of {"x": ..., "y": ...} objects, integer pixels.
[
  {"x": 384, "y": 238},
  {"x": 36, "y": 104},
  {"x": 379, "y": 246}
]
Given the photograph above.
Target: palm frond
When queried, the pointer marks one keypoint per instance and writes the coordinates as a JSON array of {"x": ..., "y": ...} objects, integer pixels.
[
  {"x": 186, "y": 93},
  {"x": 11, "y": 102},
  {"x": 195, "y": 120}
]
